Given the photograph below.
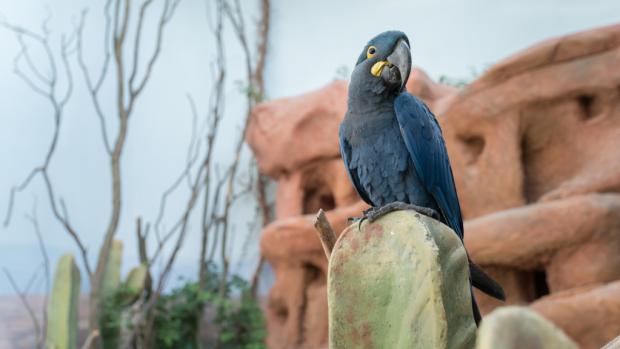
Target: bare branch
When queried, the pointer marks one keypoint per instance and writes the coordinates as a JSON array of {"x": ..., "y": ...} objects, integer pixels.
[
  {"x": 124, "y": 109},
  {"x": 58, "y": 108},
  {"x": 93, "y": 89},
  {"x": 33, "y": 68},
  {"x": 65, "y": 223},
  {"x": 142, "y": 241},
  {"x": 90, "y": 340},
  {"x": 17, "y": 189},
  {"x": 263, "y": 35},
  {"x": 136, "y": 46},
  {"x": 167, "y": 12},
  {"x": 46, "y": 261},
  {"x": 235, "y": 17},
  {"x": 192, "y": 157},
  {"x": 28, "y": 81},
  {"x": 217, "y": 100},
  {"x": 24, "y": 300},
  {"x": 325, "y": 232},
  {"x": 65, "y": 43}
]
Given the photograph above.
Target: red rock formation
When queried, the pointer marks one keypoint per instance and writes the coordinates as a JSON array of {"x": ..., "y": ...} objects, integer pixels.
[{"x": 534, "y": 145}]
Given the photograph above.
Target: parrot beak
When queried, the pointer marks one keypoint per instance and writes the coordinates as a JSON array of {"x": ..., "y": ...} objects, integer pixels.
[{"x": 401, "y": 58}]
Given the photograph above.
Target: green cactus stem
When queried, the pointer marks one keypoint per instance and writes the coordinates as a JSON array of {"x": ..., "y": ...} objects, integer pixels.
[{"x": 63, "y": 305}]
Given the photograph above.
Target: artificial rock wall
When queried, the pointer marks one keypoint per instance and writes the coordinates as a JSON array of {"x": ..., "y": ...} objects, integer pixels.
[{"x": 535, "y": 147}]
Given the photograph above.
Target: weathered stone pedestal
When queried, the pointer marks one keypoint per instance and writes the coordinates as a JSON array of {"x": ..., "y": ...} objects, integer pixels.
[{"x": 400, "y": 282}]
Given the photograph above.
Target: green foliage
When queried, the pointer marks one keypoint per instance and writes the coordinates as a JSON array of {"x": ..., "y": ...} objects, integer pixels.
[
  {"x": 111, "y": 316},
  {"x": 249, "y": 91},
  {"x": 176, "y": 317},
  {"x": 118, "y": 296},
  {"x": 238, "y": 319}
]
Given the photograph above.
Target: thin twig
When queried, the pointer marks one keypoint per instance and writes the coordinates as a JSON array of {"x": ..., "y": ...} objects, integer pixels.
[
  {"x": 92, "y": 336},
  {"x": 261, "y": 180},
  {"x": 31, "y": 313},
  {"x": 46, "y": 262},
  {"x": 325, "y": 232},
  {"x": 93, "y": 88},
  {"x": 50, "y": 92}
]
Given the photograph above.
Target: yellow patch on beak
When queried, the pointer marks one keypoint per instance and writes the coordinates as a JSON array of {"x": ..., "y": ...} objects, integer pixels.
[{"x": 377, "y": 68}]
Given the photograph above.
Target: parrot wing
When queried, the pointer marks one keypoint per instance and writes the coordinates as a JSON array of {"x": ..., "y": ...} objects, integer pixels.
[
  {"x": 346, "y": 153},
  {"x": 425, "y": 143}
]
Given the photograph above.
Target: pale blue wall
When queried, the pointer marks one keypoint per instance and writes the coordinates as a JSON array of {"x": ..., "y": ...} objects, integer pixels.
[{"x": 310, "y": 41}]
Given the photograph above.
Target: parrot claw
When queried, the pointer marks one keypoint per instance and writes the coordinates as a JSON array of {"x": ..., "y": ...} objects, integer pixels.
[
  {"x": 376, "y": 213},
  {"x": 359, "y": 223},
  {"x": 353, "y": 219},
  {"x": 359, "y": 220}
]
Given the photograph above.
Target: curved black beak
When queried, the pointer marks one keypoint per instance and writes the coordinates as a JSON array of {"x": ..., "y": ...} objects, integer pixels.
[{"x": 401, "y": 59}]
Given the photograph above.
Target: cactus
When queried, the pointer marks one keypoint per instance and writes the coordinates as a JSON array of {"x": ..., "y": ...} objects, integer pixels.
[
  {"x": 112, "y": 272},
  {"x": 118, "y": 296},
  {"x": 134, "y": 284},
  {"x": 400, "y": 282},
  {"x": 63, "y": 305}
]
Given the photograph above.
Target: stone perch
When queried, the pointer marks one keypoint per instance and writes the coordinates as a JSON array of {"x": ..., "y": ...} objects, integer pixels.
[
  {"x": 518, "y": 327},
  {"x": 400, "y": 282},
  {"x": 403, "y": 282}
]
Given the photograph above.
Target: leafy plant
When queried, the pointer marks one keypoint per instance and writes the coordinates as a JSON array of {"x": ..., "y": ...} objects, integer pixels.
[{"x": 238, "y": 320}]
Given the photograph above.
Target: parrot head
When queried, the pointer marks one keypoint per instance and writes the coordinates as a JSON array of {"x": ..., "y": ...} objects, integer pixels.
[{"x": 384, "y": 64}]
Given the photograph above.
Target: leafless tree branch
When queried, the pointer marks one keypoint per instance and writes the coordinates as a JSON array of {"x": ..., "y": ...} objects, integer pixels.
[
  {"x": 94, "y": 87},
  {"x": 167, "y": 12},
  {"x": 26, "y": 304},
  {"x": 58, "y": 105},
  {"x": 235, "y": 16},
  {"x": 46, "y": 262},
  {"x": 192, "y": 156},
  {"x": 125, "y": 103}
]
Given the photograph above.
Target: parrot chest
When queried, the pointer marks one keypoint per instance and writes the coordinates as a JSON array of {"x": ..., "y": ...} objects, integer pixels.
[{"x": 383, "y": 165}]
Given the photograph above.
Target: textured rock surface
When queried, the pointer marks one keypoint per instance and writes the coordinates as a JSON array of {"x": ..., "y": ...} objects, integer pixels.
[
  {"x": 614, "y": 344},
  {"x": 400, "y": 282},
  {"x": 534, "y": 146},
  {"x": 518, "y": 327}
]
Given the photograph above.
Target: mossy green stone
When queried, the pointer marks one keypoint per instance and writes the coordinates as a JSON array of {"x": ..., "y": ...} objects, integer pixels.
[
  {"x": 400, "y": 282},
  {"x": 519, "y": 327}
]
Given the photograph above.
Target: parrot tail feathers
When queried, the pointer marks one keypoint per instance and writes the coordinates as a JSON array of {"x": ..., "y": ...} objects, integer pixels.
[
  {"x": 485, "y": 283},
  {"x": 475, "y": 309}
]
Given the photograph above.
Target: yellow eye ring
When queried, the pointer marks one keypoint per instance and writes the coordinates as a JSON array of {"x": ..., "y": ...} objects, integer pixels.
[{"x": 371, "y": 52}]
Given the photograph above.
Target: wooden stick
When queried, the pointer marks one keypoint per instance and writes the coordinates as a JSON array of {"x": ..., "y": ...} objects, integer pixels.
[{"x": 325, "y": 232}]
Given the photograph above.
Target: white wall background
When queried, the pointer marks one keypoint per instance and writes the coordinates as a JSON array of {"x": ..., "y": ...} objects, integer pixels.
[{"x": 310, "y": 41}]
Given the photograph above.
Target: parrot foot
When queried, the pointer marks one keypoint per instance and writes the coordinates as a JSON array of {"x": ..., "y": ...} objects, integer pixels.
[
  {"x": 354, "y": 219},
  {"x": 375, "y": 213},
  {"x": 362, "y": 218}
]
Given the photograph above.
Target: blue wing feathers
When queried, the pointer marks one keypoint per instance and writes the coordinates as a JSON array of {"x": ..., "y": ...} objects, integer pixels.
[
  {"x": 351, "y": 161},
  {"x": 423, "y": 138}
]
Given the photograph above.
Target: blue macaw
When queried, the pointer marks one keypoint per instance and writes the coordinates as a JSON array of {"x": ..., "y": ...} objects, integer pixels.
[{"x": 393, "y": 148}]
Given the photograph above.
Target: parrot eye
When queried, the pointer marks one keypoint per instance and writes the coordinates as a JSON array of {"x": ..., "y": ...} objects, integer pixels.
[{"x": 371, "y": 52}]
